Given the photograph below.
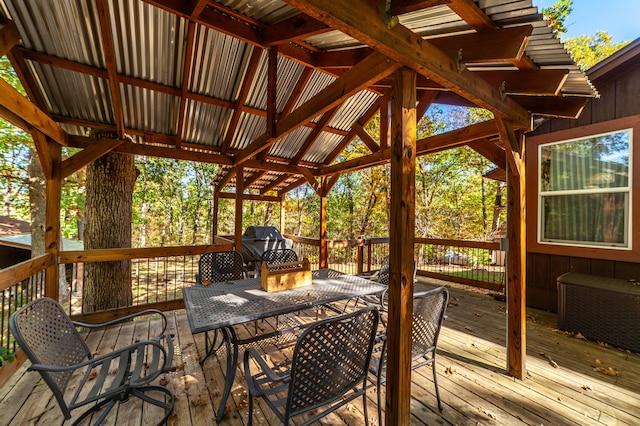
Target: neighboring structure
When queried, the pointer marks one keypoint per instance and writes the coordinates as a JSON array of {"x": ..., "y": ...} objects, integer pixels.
[
  {"x": 10, "y": 254},
  {"x": 583, "y": 195},
  {"x": 15, "y": 242}
]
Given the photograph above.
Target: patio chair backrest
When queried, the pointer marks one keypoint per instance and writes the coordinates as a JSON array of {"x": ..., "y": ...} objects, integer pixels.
[
  {"x": 383, "y": 275},
  {"x": 47, "y": 336},
  {"x": 221, "y": 266},
  {"x": 276, "y": 256},
  {"x": 429, "y": 309},
  {"x": 330, "y": 358}
]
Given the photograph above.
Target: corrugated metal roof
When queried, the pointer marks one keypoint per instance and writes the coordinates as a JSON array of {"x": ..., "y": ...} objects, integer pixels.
[{"x": 150, "y": 47}]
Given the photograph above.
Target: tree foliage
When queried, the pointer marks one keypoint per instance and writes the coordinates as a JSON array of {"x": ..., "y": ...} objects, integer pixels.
[
  {"x": 586, "y": 50},
  {"x": 589, "y": 50},
  {"x": 557, "y": 14}
]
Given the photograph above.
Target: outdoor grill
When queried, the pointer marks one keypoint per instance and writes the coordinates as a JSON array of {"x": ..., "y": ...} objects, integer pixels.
[{"x": 258, "y": 239}]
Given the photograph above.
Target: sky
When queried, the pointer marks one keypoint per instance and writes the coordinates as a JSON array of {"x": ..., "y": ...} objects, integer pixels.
[{"x": 619, "y": 18}]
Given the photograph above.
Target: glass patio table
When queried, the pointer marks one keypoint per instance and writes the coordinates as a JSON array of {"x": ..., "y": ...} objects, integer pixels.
[{"x": 220, "y": 306}]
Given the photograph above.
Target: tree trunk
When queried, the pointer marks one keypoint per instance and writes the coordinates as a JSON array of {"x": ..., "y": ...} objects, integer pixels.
[{"x": 110, "y": 182}]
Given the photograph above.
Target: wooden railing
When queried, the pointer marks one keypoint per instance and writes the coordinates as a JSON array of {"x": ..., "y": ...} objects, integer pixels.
[
  {"x": 157, "y": 277},
  {"x": 19, "y": 285},
  {"x": 159, "y": 274}
]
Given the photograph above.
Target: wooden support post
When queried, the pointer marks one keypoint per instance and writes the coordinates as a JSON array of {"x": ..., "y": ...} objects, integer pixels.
[
  {"x": 360, "y": 256},
  {"x": 214, "y": 214},
  {"x": 237, "y": 231},
  {"x": 401, "y": 247},
  {"x": 282, "y": 214},
  {"x": 52, "y": 219},
  {"x": 324, "y": 244},
  {"x": 516, "y": 264}
]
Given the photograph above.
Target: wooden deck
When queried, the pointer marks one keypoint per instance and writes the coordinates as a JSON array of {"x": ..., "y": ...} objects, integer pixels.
[{"x": 570, "y": 381}]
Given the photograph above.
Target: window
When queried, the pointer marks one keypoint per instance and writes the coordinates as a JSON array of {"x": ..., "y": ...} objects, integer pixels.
[{"x": 584, "y": 193}]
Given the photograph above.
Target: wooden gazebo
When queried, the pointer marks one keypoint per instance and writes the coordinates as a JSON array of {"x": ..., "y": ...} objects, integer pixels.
[{"x": 274, "y": 90}]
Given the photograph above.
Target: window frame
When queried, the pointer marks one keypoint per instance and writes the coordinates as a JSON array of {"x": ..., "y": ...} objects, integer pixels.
[
  {"x": 631, "y": 254},
  {"x": 628, "y": 189}
]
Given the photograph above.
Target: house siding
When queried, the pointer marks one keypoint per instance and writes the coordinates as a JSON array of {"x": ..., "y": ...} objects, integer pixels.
[{"x": 619, "y": 90}]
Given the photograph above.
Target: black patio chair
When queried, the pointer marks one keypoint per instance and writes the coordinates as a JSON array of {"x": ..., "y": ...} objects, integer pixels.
[
  {"x": 220, "y": 266},
  {"x": 429, "y": 309},
  {"x": 382, "y": 277},
  {"x": 328, "y": 369},
  {"x": 57, "y": 351}
]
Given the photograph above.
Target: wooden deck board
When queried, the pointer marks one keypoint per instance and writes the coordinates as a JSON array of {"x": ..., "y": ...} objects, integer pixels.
[{"x": 470, "y": 365}]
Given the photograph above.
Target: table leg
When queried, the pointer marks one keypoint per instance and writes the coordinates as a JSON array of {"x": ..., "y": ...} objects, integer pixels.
[
  {"x": 231, "y": 344},
  {"x": 210, "y": 345}
]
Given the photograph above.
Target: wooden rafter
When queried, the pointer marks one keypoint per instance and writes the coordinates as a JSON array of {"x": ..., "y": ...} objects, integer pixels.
[
  {"x": 357, "y": 78},
  {"x": 226, "y": 178},
  {"x": 490, "y": 151},
  {"x": 469, "y": 11},
  {"x": 28, "y": 112},
  {"x": 9, "y": 36},
  {"x": 399, "y": 7},
  {"x": 434, "y": 143},
  {"x": 297, "y": 27},
  {"x": 297, "y": 90},
  {"x": 315, "y": 133},
  {"x": 527, "y": 82},
  {"x": 362, "y": 121},
  {"x": 274, "y": 183},
  {"x": 252, "y": 67},
  {"x": 253, "y": 178},
  {"x": 272, "y": 89},
  {"x": 311, "y": 180},
  {"x": 186, "y": 74},
  {"x": 87, "y": 155},
  {"x": 253, "y": 197},
  {"x": 110, "y": 59},
  {"x": 292, "y": 186},
  {"x": 366, "y": 138},
  {"x": 402, "y": 45}
]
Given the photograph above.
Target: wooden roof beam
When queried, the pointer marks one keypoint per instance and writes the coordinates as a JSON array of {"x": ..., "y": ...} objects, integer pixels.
[
  {"x": 311, "y": 180},
  {"x": 253, "y": 178},
  {"x": 371, "y": 69},
  {"x": 186, "y": 75},
  {"x": 88, "y": 155},
  {"x": 366, "y": 138},
  {"x": 537, "y": 82},
  {"x": 362, "y": 121},
  {"x": 110, "y": 60},
  {"x": 424, "y": 146},
  {"x": 469, "y": 11},
  {"x": 491, "y": 151},
  {"x": 28, "y": 112},
  {"x": 292, "y": 186},
  {"x": 300, "y": 27},
  {"x": 274, "y": 183},
  {"x": 252, "y": 197},
  {"x": 9, "y": 35},
  {"x": 399, "y": 7},
  {"x": 402, "y": 45},
  {"x": 315, "y": 133},
  {"x": 226, "y": 178}
]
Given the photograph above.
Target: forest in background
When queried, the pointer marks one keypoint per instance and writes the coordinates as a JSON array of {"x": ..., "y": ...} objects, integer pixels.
[{"x": 172, "y": 200}]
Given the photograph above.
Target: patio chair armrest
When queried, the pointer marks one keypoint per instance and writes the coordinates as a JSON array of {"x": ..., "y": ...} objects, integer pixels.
[
  {"x": 108, "y": 357},
  {"x": 266, "y": 369},
  {"x": 126, "y": 318}
]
